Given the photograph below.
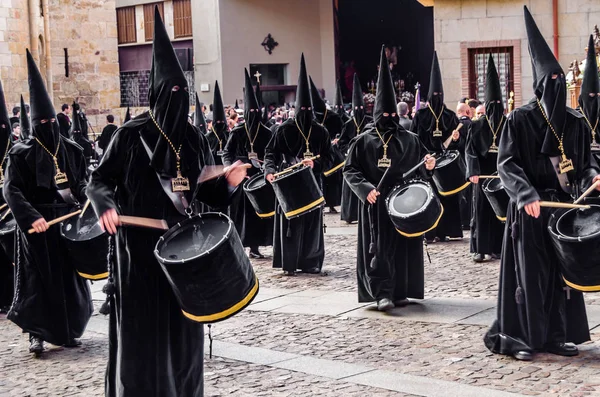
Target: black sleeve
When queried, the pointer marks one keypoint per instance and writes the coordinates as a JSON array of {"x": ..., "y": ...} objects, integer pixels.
[
  {"x": 214, "y": 192},
  {"x": 272, "y": 154},
  {"x": 471, "y": 155},
  {"x": 17, "y": 185},
  {"x": 459, "y": 144},
  {"x": 230, "y": 150},
  {"x": 354, "y": 174}
]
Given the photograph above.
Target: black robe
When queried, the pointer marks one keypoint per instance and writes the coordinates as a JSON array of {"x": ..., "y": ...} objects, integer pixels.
[
  {"x": 298, "y": 243},
  {"x": 88, "y": 147},
  {"x": 540, "y": 313},
  {"x": 6, "y": 262},
  {"x": 398, "y": 272},
  {"x": 154, "y": 351},
  {"x": 51, "y": 301},
  {"x": 332, "y": 184},
  {"x": 466, "y": 195},
  {"x": 106, "y": 136},
  {"x": 423, "y": 125},
  {"x": 214, "y": 144},
  {"x": 253, "y": 230},
  {"x": 350, "y": 202},
  {"x": 64, "y": 122},
  {"x": 486, "y": 229}
]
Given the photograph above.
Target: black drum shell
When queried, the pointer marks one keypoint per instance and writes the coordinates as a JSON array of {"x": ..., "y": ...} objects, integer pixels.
[
  {"x": 338, "y": 161},
  {"x": 89, "y": 256},
  {"x": 498, "y": 198},
  {"x": 579, "y": 257},
  {"x": 298, "y": 192},
  {"x": 418, "y": 224},
  {"x": 262, "y": 197},
  {"x": 450, "y": 178},
  {"x": 7, "y": 236},
  {"x": 214, "y": 285}
]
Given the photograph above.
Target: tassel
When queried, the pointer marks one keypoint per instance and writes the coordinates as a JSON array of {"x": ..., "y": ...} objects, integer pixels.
[
  {"x": 427, "y": 249},
  {"x": 109, "y": 288},
  {"x": 105, "y": 308},
  {"x": 514, "y": 233},
  {"x": 519, "y": 296},
  {"x": 210, "y": 341}
]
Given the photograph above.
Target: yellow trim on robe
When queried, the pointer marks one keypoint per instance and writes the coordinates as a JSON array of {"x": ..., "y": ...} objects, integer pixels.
[
  {"x": 501, "y": 219},
  {"x": 268, "y": 215}
]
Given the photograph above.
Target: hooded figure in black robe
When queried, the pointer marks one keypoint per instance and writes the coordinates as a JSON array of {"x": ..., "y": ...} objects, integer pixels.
[
  {"x": 250, "y": 137},
  {"x": 332, "y": 182},
  {"x": 534, "y": 312},
  {"x": 589, "y": 99},
  {"x": 389, "y": 265},
  {"x": 6, "y": 258},
  {"x": 52, "y": 303},
  {"x": 199, "y": 119},
  {"x": 24, "y": 123},
  {"x": 338, "y": 105},
  {"x": 78, "y": 137},
  {"x": 424, "y": 124},
  {"x": 485, "y": 132},
  {"x": 298, "y": 243},
  {"x": 154, "y": 351},
  {"x": 352, "y": 128},
  {"x": 219, "y": 133}
]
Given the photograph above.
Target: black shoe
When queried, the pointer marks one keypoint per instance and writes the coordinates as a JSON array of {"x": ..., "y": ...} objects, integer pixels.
[
  {"x": 523, "y": 355},
  {"x": 562, "y": 349},
  {"x": 478, "y": 258},
  {"x": 36, "y": 345},
  {"x": 401, "y": 303},
  {"x": 312, "y": 270},
  {"x": 289, "y": 273},
  {"x": 332, "y": 210},
  {"x": 384, "y": 304},
  {"x": 73, "y": 343},
  {"x": 256, "y": 254},
  {"x": 495, "y": 256}
]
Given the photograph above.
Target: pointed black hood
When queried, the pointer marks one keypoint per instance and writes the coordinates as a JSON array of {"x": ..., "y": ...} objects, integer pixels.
[
  {"x": 358, "y": 101},
  {"x": 303, "y": 100},
  {"x": 236, "y": 106},
  {"x": 199, "y": 120},
  {"x": 494, "y": 108},
  {"x": 385, "y": 98},
  {"x": 435, "y": 97},
  {"x": 76, "y": 124},
  {"x": 319, "y": 105},
  {"x": 339, "y": 99},
  {"x": 5, "y": 127},
  {"x": 219, "y": 116},
  {"x": 252, "y": 113},
  {"x": 550, "y": 91},
  {"x": 24, "y": 122},
  {"x": 127, "y": 116},
  {"x": 169, "y": 99},
  {"x": 589, "y": 99}
]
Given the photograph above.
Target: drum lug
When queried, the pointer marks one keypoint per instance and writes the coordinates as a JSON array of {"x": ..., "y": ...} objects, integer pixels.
[{"x": 188, "y": 211}]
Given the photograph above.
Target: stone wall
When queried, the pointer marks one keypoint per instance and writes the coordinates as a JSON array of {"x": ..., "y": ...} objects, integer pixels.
[{"x": 462, "y": 24}]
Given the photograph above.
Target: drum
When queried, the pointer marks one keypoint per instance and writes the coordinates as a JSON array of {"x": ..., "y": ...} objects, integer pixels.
[
  {"x": 7, "y": 236},
  {"x": 338, "y": 161},
  {"x": 87, "y": 245},
  {"x": 414, "y": 208},
  {"x": 449, "y": 173},
  {"x": 206, "y": 265},
  {"x": 575, "y": 234},
  {"x": 298, "y": 192},
  {"x": 497, "y": 196},
  {"x": 261, "y": 195}
]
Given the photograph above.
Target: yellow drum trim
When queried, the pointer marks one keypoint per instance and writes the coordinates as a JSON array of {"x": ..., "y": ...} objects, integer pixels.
[
  {"x": 450, "y": 193},
  {"x": 305, "y": 208},
  {"x": 501, "y": 219},
  {"x": 228, "y": 312},
  {"x": 270, "y": 214},
  {"x": 428, "y": 230},
  {"x": 591, "y": 288},
  {"x": 94, "y": 276},
  {"x": 334, "y": 169}
]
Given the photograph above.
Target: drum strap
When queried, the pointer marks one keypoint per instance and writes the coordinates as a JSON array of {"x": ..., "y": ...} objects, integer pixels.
[
  {"x": 67, "y": 196},
  {"x": 177, "y": 198},
  {"x": 563, "y": 179}
]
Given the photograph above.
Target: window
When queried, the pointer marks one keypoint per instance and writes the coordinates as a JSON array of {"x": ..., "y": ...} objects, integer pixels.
[
  {"x": 182, "y": 18},
  {"x": 126, "y": 25},
  {"x": 149, "y": 18},
  {"x": 504, "y": 60}
]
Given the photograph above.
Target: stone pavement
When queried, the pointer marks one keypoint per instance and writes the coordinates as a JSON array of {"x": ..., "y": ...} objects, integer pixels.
[{"x": 308, "y": 336}]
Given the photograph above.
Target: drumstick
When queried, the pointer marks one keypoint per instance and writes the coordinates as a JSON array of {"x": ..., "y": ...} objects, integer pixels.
[
  {"x": 85, "y": 207},
  {"x": 413, "y": 169},
  {"x": 489, "y": 176},
  {"x": 447, "y": 142},
  {"x": 3, "y": 206},
  {"x": 587, "y": 192},
  {"x": 215, "y": 171},
  {"x": 57, "y": 220},
  {"x": 288, "y": 169},
  {"x": 554, "y": 204},
  {"x": 143, "y": 222},
  {"x": 5, "y": 215}
]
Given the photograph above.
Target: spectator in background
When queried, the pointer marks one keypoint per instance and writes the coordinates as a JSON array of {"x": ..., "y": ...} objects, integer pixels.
[
  {"x": 473, "y": 103},
  {"x": 210, "y": 113},
  {"x": 16, "y": 132},
  {"x": 479, "y": 111},
  {"x": 405, "y": 122},
  {"x": 64, "y": 121},
  {"x": 16, "y": 111},
  {"x": 107, "y": 132}
]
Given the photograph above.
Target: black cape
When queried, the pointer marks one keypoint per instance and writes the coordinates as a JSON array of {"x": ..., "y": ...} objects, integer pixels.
[
  {"x": 253, "y": 231},
  {"x": 398, "y": 272},
  {"x": 153, "y": 349},
  {"x": 486, "y": 229},
  {"x": 6, "y": 261},
  {"x": 350, "y": 204},
  {"x": 51, "y": 301},
  {"x": 298, "y": 243},
  {"x": 423, "y": 125},
  {"x": 217, "y": 144},
  {"x": 332, "y": 184},
  {"x": 106, "y": 136},
  {"x": 533, "y": 308},
  {"x": 64, "y": 123}
]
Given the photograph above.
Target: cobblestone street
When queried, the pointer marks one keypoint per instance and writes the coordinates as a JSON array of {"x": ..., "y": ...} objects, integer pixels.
[{"x": 308, "y": 336}]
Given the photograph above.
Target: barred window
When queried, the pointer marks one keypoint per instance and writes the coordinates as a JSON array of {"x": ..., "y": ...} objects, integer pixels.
[{"x": 504, "y": 60}]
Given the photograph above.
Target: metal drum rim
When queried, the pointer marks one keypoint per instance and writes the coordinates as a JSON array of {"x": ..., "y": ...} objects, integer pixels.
[
  {"x": 292, "y": 172},
  {"x": 562, "y": 237},
  {"x": 422, "y": 185},
  {"x": 456, "y": 154},
  {"x": 484, "y": 186},
  {"x": 62, "y": 234},
  {"x": 252, "y": 189}
]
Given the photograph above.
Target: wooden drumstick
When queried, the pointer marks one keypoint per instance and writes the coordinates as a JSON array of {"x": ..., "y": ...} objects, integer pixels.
[
  {"x": 5, "y": 215},
  {"x": 57, "y": 220},
  {"x": 489, "y": 176},
  {"x": 288, "y": 169},
  {"x": 554, "y": 204},
  {"x": 85, "y": 207},
  {"x": 3, "y": 206},
  {"x": 215, "y": 171},
  {"x": 447, "y": 142},
  {"x": 143, "y": 222},
  {"x": 587, "y": 192}
]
